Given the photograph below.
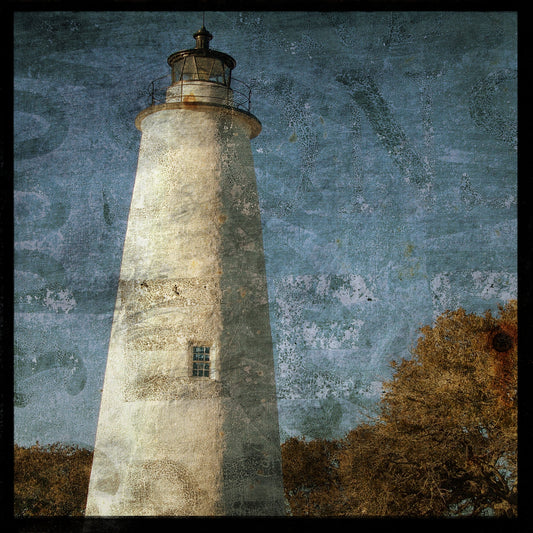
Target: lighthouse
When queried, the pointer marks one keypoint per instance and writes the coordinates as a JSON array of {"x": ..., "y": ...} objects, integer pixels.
[{"x": 188, "y": 422}]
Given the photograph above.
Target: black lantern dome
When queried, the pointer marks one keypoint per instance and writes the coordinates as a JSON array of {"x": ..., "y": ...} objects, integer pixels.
[{"x": 201, "y": 63}]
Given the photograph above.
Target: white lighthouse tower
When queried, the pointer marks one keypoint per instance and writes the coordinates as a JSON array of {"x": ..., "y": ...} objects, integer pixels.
[{"x": 188, "y": 420}]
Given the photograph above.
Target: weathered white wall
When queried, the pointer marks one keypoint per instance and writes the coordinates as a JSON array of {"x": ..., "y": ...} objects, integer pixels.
[
  {"x": 192, "y": 91},
  {"x": 192, "y": 273}
]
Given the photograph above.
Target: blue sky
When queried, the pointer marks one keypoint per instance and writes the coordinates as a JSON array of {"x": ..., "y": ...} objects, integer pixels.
[{"x": 386, "y": 172}]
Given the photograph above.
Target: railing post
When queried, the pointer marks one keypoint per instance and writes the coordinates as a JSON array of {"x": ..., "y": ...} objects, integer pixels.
[{"x": 153, "y": 88}]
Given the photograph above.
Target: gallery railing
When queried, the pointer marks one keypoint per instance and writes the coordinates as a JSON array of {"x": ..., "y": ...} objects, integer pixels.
[{"x": 242, "y": 93}]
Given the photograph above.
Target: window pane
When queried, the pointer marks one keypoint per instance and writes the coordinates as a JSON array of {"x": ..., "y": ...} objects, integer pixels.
[
  {"x": 176, "y": 70},
  {"x": 189, "y": 69},
  {"x": 199, "y": 355},
  {"x": 204, "y": 66},
  {"x": 217, "y": 72}
]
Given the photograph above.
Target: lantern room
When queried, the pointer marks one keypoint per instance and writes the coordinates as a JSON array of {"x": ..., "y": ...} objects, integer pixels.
[{"x": 201, "y": 63}]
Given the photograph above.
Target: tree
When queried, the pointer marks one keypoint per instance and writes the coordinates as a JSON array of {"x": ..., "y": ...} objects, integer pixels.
[
  {"x": 445, "y": 442},
  {"x": 51, "y": 480},
  {"x": 450, "y": 413},
  {"x": 310, "y": 476}
]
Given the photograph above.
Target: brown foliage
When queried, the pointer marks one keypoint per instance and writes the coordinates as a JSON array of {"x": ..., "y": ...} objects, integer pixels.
[
  {"x": 310, "y": 477},
  {"x": 452, "y": 409},
  {"x": 51, "y": 480},
  {"x": 445, "y": 442}
]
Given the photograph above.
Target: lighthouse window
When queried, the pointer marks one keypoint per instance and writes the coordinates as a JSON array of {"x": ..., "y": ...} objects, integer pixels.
[
  {"x": 227, "y": 75},
  {"x": 189, "y": 71},
  {"x": 201, "y": 361},
  {"x": 177, "y": 70},
  {"x": 204, "y": 66},
  {"x": 200, "y": 68},
  {"x": 216, "y": 73}
]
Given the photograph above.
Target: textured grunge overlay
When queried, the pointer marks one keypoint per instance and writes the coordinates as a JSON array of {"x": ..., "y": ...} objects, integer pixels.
[{"x": 386, "y": 176}]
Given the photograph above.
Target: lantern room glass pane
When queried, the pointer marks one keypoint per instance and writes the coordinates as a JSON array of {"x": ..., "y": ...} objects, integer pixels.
[
  {"x": 204, "y": 66},
  {"x": 176, "y": 70},
  {"x": 189, "y": 69},
  {"x": 193, "y": 68},
  {"x": 217, "y": 72}
]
